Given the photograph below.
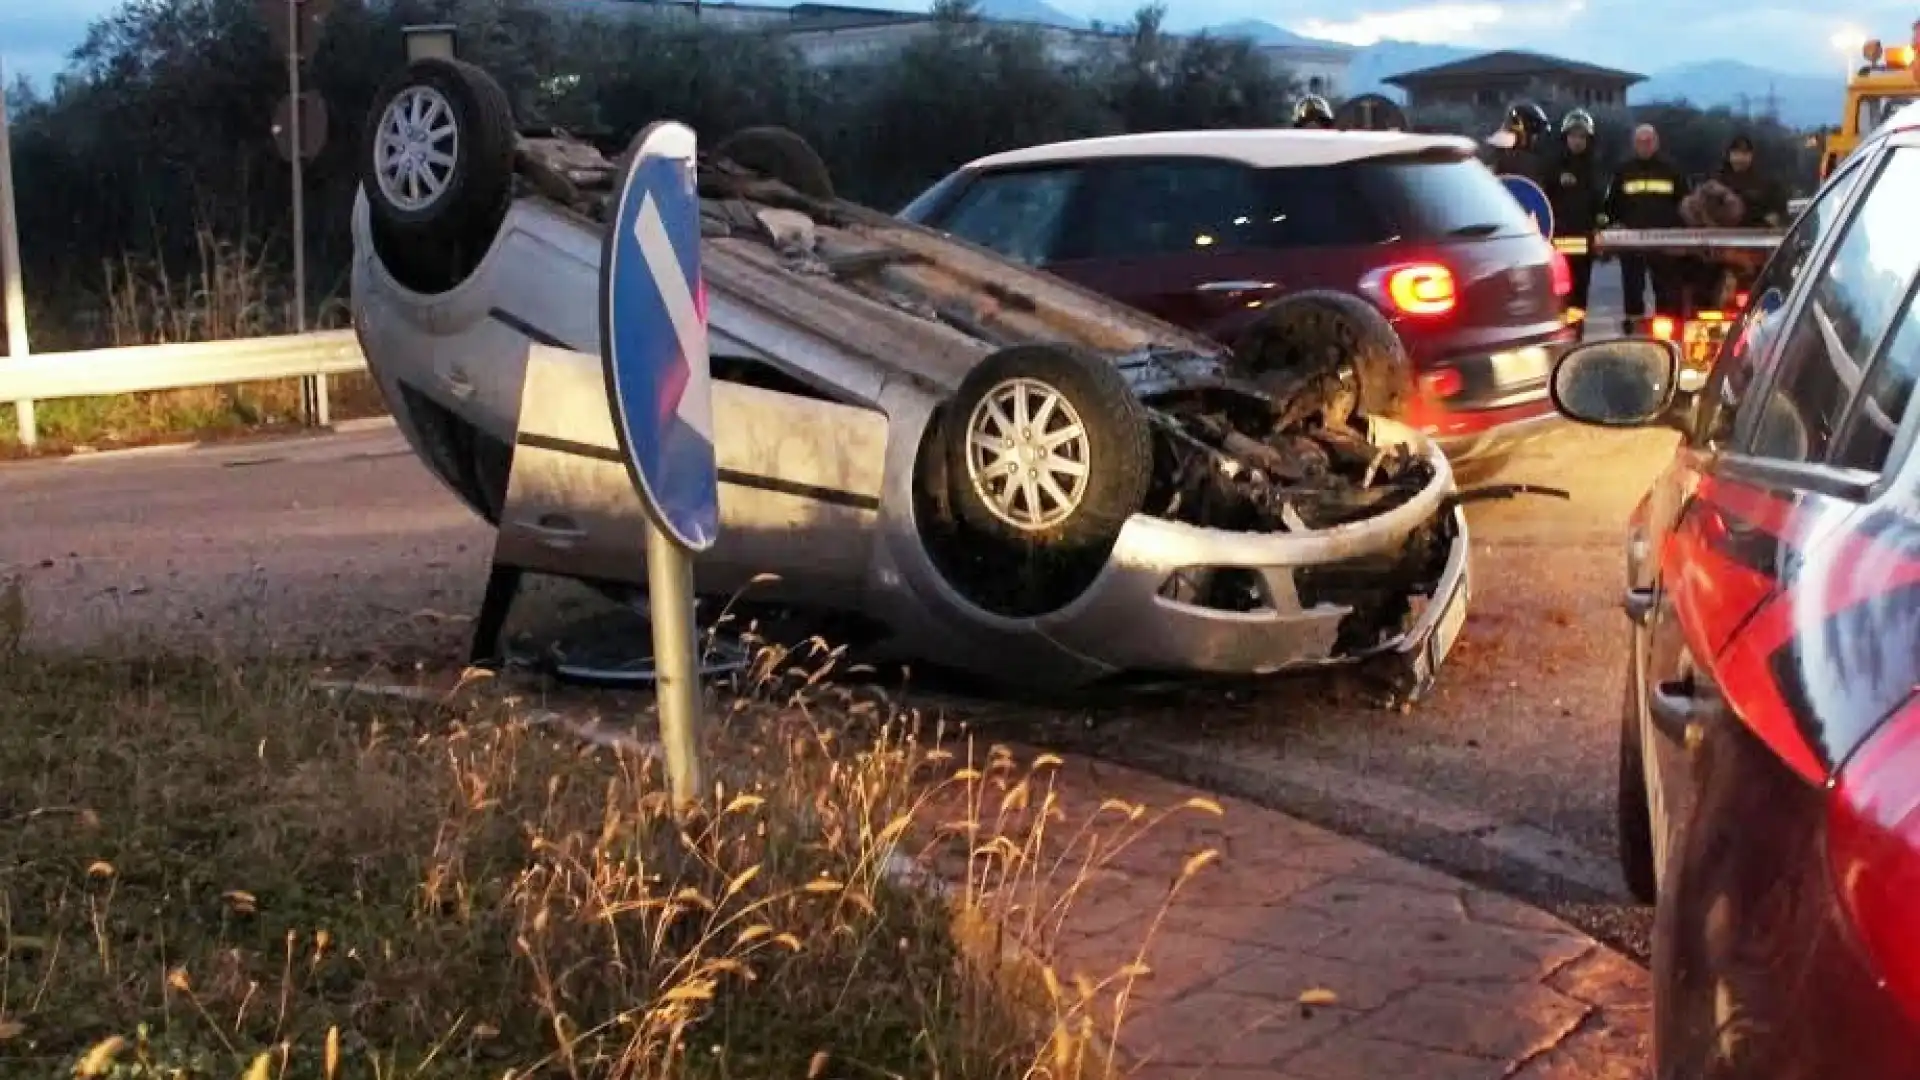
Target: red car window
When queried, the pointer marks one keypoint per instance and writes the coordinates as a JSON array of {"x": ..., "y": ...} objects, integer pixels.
[
  {"x": 1748, "y": 340},
  {"x": 1851, "y": 306},
  {"x": 1017, "y": 214}
]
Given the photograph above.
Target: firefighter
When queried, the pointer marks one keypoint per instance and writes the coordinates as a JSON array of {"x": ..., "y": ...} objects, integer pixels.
[
  {"x": 1313, "y": 112},
  {"x": 1765, "y": 202},
  {"x": 1573, "y": 187},
  {"x": 1517, "y": 145},
  {"x": 1646, "y": 194}
]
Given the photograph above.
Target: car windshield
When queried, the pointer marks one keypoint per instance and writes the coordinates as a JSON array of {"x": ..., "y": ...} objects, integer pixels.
[
  {"x": 1873, "y": 110},
  {"x": 1451, "y": 198}
]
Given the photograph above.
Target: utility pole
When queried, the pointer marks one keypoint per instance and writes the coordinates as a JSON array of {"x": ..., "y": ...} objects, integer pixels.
[
  {"x": 314, "y": 386},
  {"x": 16, "y": 299},
  {"x": 300, "y": 130}
]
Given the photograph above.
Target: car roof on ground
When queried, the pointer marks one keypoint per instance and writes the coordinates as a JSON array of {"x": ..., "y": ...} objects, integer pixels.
[{"x": 1261, "y": 148}]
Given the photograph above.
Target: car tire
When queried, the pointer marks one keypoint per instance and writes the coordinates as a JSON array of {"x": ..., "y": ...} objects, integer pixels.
[
  {"x": 435, "y": 219},
  {"x": 1633, "y": 806},
  {"x": 779, "y": 154},
  {"x": 1091, "y": 427},
  {"x": 1308, "y": 337}
]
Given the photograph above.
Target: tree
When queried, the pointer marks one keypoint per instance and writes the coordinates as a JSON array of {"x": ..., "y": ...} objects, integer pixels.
[{"x": 156, "y": 138}]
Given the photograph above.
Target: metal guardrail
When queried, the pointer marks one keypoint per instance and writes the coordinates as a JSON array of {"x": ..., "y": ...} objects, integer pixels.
[{"x": 143, "y": 368}]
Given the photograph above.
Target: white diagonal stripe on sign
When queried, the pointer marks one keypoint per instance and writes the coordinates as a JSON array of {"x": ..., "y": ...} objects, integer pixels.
[{"x": 651, "y": 233}]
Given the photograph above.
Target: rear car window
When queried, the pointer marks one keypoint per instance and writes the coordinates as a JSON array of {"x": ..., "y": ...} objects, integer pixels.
[
  {"x": 1432, "y": 199},
  {"x": 1173, "y": 205}
]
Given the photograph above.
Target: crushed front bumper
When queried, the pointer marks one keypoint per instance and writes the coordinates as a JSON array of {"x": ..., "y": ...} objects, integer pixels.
[{"x": 1126, "y": 619}]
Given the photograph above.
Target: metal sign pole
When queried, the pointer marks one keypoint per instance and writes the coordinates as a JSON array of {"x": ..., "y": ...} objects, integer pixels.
[
  {"x": 16, "y": 302},
  {"x": 676, "y": 662},
  {"x": 653, "y": 342},
  {"x": 314, "y": 387}
]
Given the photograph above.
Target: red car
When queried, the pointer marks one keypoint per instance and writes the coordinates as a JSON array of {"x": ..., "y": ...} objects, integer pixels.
[
  {"x": 1770, "y": 737},
  {"x": 1203, "y": 228}
]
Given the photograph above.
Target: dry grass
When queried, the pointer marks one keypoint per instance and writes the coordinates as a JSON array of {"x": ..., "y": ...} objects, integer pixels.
[
  {"x": 232, "y": 292},
  {"x": 209, "y": 871}
]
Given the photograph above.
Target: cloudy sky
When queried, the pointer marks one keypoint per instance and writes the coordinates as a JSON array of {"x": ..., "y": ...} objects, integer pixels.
[{"x": 1639, "y": 35}]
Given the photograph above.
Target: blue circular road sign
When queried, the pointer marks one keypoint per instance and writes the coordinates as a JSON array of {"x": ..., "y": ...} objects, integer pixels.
[
  {"x": 653, "y": 337},
  {"x": 1533, "y": 200}
]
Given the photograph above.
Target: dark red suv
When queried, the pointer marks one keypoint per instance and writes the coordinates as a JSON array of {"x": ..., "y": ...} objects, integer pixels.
[{"x": 1204, "y": 228}]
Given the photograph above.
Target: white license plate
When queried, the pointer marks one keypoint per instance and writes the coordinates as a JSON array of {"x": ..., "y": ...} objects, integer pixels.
[{"x": 1520, "y": 365}]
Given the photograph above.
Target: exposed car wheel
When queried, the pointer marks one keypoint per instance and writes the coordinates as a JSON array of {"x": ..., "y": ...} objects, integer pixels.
[
  {"x": 437, "y": 166},
  {"x": 1633, "y": 807},
  {"x": 1048, "y": 449},
  {"x": 779, "y": 154},
  {"x": 1330, "y": 347}
]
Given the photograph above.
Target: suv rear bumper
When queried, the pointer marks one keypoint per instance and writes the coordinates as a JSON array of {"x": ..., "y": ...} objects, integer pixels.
[
  {"x": 1511, "y": 428},
  {"x": 1496, "y": 408}
]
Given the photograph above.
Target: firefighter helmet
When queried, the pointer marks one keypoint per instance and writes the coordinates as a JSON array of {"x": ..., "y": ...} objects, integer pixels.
[
  {"x": 1313, "y": 111},
  {"x": 1577, "y": 120},
  {"x": 1527, "y": 121}
]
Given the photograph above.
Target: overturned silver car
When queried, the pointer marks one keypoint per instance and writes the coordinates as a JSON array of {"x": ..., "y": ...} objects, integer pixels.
[{"x": 999, "y": 471}]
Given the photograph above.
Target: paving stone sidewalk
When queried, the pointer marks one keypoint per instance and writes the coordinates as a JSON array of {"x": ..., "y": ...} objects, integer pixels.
[{"x": 1426, "y": 976}]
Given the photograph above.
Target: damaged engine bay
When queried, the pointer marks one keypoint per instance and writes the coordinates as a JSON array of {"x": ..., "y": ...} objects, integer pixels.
[{"x": 1239, "y": 457}]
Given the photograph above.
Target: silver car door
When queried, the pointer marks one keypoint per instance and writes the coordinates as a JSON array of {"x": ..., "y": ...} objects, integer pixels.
[{"x": 799, "y": 493}]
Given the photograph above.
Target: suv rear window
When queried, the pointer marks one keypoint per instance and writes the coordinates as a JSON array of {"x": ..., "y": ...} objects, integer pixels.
[
  {"x": 1168, "y": 206},
  {"x": 1438, "y": 199}
]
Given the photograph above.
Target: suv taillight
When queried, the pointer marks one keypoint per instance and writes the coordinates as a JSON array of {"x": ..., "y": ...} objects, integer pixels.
[
  {"x": 1562, "y": 275},
  {"x": 1412, "y": 289},
  {"x": 1873, "y": 851}
]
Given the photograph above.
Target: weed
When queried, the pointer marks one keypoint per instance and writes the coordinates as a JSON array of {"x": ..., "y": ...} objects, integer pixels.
[
  {"x": 231, "y": 293},
  {"x": 217, "y": 871}
]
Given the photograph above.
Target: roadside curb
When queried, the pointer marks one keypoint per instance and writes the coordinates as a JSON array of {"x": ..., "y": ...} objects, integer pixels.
[
  {"x": 81, "y": 455},
  {"x": 158, "y": 450}
]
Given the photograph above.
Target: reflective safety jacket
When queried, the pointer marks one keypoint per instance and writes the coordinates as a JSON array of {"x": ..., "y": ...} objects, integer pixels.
[{"x": 1646, "y": 194}]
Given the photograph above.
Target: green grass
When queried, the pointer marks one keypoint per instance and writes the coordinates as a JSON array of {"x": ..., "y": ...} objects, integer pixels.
[{"x": 214, "y": 871}]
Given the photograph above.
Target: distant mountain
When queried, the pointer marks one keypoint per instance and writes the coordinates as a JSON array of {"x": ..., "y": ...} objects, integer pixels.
[
  {"x": 1260, "y": 33},
  {"x": 1030, "y": 11},
  {"x": 1801, "y": 100},
  {"x": 1374, "y": 63}
]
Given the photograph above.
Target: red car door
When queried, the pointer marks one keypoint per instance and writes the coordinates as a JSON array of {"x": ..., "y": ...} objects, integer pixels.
[
  {"x": 1793, "y": 571},
  {"x": 1704, "y": 546}
]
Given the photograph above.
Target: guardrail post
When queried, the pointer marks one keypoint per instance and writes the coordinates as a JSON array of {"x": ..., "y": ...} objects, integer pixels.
[{"x": 16, "y": 299}]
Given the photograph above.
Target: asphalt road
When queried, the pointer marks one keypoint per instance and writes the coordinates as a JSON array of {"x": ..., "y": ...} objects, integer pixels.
[
  {"x": 346, "y": 547},
  {"x": 1605, "y": 295}
]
